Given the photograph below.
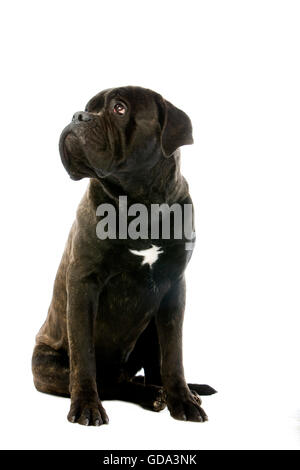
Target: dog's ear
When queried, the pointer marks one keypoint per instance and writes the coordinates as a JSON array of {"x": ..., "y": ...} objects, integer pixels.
[{"x": 176, "y": 127}]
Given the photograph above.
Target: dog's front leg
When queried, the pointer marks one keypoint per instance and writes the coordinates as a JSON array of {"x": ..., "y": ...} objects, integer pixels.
[
  {"x": 182, "y": 403},
  {"x": 83, "y": 295}
]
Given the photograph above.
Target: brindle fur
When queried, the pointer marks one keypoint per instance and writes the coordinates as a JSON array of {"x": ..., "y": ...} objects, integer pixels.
[{"x": 110, "y": 316}]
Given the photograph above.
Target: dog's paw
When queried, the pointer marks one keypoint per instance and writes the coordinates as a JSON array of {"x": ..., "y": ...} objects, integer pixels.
[
  {"x": 186, "y": 408},
  {"x": 154, "y": 398},
  {"x": 160, "y": 402},
  {"x": 88, "y": 412}
]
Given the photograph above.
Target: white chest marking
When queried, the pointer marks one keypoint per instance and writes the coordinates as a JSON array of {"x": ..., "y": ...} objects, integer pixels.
[{"x": 150, "y": 255}]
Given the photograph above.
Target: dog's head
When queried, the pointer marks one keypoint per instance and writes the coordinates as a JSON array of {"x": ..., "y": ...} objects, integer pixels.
[{"x": 125, "y": 130}]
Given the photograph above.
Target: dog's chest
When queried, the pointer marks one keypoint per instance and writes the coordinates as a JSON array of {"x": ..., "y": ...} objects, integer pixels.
[
  {"x": 148, "y": 256},
  {"x": 148, "y": 262},
  {"x": 158, "y": 261}
]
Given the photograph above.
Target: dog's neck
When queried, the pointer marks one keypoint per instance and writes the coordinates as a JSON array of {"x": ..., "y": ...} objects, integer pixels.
[{"x": 163, "y": 183}]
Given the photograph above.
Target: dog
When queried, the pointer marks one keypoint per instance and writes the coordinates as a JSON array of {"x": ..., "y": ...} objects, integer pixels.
[{"x": 118, "y": 302}]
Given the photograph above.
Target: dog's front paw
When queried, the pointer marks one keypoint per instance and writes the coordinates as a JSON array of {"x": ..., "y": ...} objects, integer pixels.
[
  {"x": 87, "y": 410},
  {"x": 186, "y": 407}
]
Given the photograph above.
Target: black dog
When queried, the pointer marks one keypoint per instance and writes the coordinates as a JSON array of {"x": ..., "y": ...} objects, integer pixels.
[{"x": 118, "y": 303}]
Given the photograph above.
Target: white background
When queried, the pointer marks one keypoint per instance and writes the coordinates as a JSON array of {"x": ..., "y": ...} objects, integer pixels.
[{"x": 233, "y": 66}]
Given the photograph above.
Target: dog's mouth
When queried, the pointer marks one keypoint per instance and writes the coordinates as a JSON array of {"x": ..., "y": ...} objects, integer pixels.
[
  {"x": 74, "y": 158},
  {"x": 67, "y": 144},
  {"x": 102, "y": 174},
  {"x": 72, "y": 155}
]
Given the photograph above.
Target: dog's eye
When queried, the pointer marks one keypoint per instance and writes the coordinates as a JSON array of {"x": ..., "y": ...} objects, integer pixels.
[{"x": 120, "y": 109}]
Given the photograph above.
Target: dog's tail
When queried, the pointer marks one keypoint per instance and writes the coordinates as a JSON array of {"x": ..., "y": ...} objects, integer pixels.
[{"x": 202, "y": 389}]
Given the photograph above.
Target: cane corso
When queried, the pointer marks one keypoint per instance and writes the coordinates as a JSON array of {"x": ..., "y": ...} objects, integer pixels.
[{"x": 118, "y": 302}]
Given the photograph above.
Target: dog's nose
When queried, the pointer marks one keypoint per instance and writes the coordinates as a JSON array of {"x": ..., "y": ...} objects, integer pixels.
[{"x": 81, "y": 116}]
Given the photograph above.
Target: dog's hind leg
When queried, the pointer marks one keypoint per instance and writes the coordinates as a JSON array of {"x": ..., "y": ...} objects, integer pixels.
[
  {"x": 50, "y": 370},
  {"x": 150, "y": 397},
  {"x": 148, "y": 349},
  {"x": 147, "y": 355}
]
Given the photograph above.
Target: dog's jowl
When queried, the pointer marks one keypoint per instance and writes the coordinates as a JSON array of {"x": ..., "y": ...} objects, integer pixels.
[{"x": 119, "y": 293}]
